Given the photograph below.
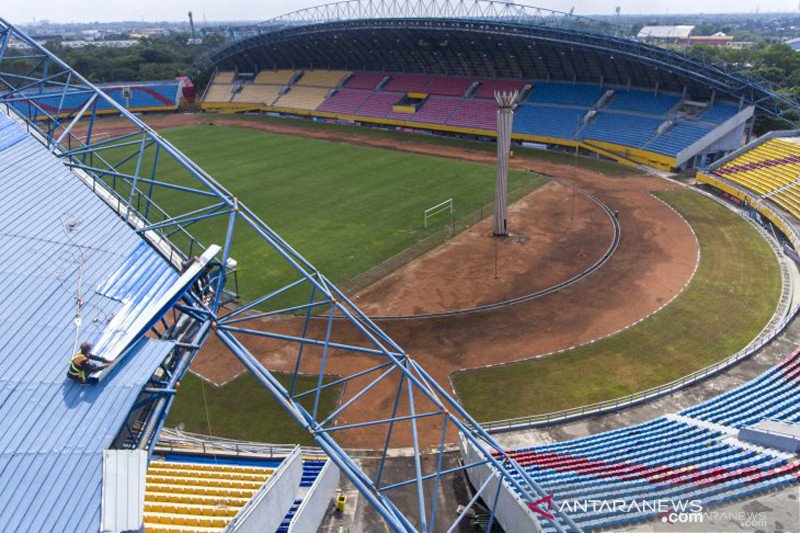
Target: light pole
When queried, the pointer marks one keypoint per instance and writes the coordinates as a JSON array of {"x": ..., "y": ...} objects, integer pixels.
[{"x": 505, "y": 117}]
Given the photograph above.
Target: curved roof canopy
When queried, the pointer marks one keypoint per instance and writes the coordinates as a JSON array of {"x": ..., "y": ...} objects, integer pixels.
[{"x": 483, "y": 39}]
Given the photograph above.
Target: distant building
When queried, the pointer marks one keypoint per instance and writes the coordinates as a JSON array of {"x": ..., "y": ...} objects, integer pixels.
[
  {"x": 664, "y": 34},
  {"x": 104, "y": 44},
  {"x": 148, "y": 32},
  {"x": 718, "y": 39},
  {"x": 681, "y": 36}
]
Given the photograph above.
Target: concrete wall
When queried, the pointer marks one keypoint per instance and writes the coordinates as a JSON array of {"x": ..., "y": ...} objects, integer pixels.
[
  {"x": 265, "y": 511},
  {"x": 315, "y": 503},
  {"x": 511, "y": 512}
]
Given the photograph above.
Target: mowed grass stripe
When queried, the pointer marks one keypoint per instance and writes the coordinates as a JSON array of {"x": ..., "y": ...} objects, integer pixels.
[
  {"x": 243, "y": 409},
  {"x": 728, "y": 302},
  {"x": 565, "y": 157},
  {"x": 346, "y": 208}
]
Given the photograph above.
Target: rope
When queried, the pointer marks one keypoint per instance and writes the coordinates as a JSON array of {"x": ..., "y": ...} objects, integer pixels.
[
  {"x": 67, "y": 228},
  {"x": 205, "y": 406}
]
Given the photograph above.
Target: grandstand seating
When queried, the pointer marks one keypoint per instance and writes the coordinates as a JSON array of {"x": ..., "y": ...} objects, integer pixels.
[
  {"x": 692, "y": 455},
  {"x": 435, "y": 110},
  {"x": 183, "y": 495},
  {"x": 274, "y": 77},
  {"x": 136, "y": 96},
  {"x": 547, "y": 121},
  {"x": 773, "y": 395},
  {"x": 771, "y": 168},
  {"x": 719, "y": 113},
  {"x": 627, "y": 130},
  {"x": 407, "y": 83},
  {"x": 225, "y": 77},
  {"x": 145, "y": 95},
  {"x": 643, "y": 102},
  {"x": 379, "y": 105},
  {"x": 554, "y": 110},
  {"x": 345, "y": 101},
  {"x": 322, "y": 78},
  {"x": 308, "y": 98},
  {"x": 364, "y": 80},
  {"x": 676, "y": 139},
  {"x": 448, "y": 86},
  {"x": 487, "y": 88},
  {"x": 566, "y": 93},
  {"x": 219, "y": 92},
  {"x": 475, "y": 113},
  {"x": 259, "y": 94}
]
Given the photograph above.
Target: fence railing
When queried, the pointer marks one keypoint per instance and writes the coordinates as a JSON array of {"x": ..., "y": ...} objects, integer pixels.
[{"x": 173, "y": 440}]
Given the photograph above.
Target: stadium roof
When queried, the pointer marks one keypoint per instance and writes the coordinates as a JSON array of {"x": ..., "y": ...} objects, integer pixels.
[
  {"x": 479, "y": 39},
  {"x": 59, "y": 240}
]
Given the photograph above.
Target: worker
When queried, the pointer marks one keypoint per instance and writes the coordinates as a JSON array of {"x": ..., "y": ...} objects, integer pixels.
[{"x": 81, "y": 365}]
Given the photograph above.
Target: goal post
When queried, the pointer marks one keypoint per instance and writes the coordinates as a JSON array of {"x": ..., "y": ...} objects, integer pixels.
[{"x": 431, "y": 212}]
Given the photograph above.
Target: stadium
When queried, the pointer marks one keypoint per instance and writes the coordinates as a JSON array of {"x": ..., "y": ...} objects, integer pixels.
[{"x": 407, "y": 266}]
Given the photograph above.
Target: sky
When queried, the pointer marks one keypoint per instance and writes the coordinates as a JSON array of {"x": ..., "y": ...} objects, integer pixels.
[{"x": 25, "y": 11}]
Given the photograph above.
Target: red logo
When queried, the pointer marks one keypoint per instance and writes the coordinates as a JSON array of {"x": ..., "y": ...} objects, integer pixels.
[{"x": 547, "y": 499}]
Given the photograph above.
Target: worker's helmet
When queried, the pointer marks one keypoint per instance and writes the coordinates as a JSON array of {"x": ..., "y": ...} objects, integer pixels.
[{"x": 86, "y": 346}]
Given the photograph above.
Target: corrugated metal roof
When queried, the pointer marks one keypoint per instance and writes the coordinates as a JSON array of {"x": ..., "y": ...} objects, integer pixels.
[{"x": 54, "y": 232}]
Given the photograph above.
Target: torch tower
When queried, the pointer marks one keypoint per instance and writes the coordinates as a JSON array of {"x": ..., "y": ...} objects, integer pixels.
[{"x": 505, "y": 117}]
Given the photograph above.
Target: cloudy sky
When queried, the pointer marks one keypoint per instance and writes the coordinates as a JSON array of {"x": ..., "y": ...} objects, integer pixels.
[{"x": 25, "y": 11}]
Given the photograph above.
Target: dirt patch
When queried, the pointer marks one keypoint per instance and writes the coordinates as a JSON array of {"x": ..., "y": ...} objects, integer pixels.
[
  {"x": 556, "y": 234},
  {"x": 655, "y": 258}
]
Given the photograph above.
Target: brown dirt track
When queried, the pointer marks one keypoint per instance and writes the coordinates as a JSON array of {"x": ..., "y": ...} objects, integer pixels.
[{"x": 655, "y": 258}]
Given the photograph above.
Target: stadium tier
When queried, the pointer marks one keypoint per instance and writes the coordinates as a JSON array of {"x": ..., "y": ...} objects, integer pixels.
[
  {"x": 566, "y": 94},
  {"x": 268, "y": 77},
  {"x": 487, "y": 88},
  {"x": 308, "y": 98},
  {"x": 364, "y": 80},
  {"x": 136, "y": 96},
  {"x": 449, "y": 86},
  {"x": 620, "y": 129},
  {"x": 219, "y": 92},
  {"x": 256, "y": 93},
  {"x": 643, "y": 102},
  {"x": 719, "y": 113},
  {"x": 552, "y": 112},
  {"x": 693, "y": 455},
  {"x": 225, "y": 77},
  {"x": 547, "y": 121},
  {"x": 186, "y": 495},
  {"x": 407, "y": 83},
  {"x": 379, "y": 105},
  {"x": 345, "y": 101},
  {"x": 475, "y": 113},
  {"x": 322, "y": 78},
  {"x": 771, "y": 170},
  {"x": 677, "y": 138}
]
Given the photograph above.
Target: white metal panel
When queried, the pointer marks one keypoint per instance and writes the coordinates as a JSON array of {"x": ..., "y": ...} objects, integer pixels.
[{"x": 124, "y": 475}]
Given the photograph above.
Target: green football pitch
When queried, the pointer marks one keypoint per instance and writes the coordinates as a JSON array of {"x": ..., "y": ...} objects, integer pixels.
[{"x": 346, "y": 208}]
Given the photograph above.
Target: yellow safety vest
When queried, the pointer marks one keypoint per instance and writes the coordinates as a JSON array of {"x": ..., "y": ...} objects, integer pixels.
[{"x": 74, "y": 369}]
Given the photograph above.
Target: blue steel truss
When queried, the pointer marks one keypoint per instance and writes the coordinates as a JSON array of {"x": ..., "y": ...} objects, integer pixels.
[
  {"x": 164, "y": 195},
  {"x": 487, "y": 10}
]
